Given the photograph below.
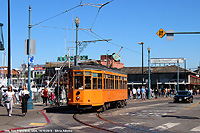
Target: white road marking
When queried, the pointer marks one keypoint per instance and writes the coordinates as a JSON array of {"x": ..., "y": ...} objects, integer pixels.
[
  {"x": 116, "y": 128},
  {"x": 78, "y": 127},
  {"x": 99, "y": 123},
  {"x": 196, "y": 129},
  {"x": 133, "y": 123},
  {"x": 81, "y": 127},
  {"x": 165, "y": 126}
]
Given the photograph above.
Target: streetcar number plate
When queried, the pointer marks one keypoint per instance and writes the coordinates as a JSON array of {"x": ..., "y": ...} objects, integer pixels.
[{"x": 180, "y": 99}]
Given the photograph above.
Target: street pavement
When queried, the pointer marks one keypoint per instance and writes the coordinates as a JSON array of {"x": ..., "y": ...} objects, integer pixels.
[
  {"x": 36, "y": 117},
  {"x": 33, "y": 119}
]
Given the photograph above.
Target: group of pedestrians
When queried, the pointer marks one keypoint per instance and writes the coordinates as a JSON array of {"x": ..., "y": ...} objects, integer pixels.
[
  {"x": 142, "y": 93},
  {"x": 9, "y": 99},
  {"x": 45, "y": 95},
  {"x": 138, "y": 93}
]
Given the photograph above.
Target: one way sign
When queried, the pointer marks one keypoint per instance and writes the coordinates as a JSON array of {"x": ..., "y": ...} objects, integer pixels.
[{"x": 31, "y": 60}]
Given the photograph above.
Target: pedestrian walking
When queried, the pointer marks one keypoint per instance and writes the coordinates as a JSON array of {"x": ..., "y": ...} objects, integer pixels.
[
  {"x": 51, "y": 98},
  {"x": 24, "y": 96},
  {"x": 138, "y": 92},
  {"x": 147, "y": 92},
  {"x": 45, "y": 94},
  {"x": 129, "y": 93},
  {"x": 134, "y": 93},
  {"x": 143, "y": 93},
  {"x": 156, "y": 93},
  {"x": 10, "y": 98},
  {"x": 1, "y": 97}
]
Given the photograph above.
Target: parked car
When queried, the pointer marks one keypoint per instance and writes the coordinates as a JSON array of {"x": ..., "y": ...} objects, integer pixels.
[{"x": 183, "y": 96}]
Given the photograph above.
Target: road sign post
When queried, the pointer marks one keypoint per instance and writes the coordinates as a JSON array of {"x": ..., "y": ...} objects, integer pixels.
[{"x": 170, "y": 34}]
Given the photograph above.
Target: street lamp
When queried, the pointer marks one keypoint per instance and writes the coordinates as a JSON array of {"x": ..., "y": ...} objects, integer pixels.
[
  {"x": 77, "y": 21},
  {"x": 149, "y": 88},
  {"x": 9, "y": 46},
  {"x": 141, "y": 43},
  {"x": 29, "y": 102}
]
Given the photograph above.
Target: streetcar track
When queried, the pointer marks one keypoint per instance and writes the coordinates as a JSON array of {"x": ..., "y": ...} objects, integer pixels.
[
  {"x": 107, "y": 130},
  {"x": 103, "y": 129},
  {"x": 124, "y": 125}
]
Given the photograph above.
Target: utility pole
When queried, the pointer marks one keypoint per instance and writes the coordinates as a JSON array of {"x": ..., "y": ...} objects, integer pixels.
[
  {"x": 9, "y": 54},
  {"x": 29, "y": 102},
  {"x": 149, "y": 88},
  {"x": 177, "y": 75},
  {"x": 77, "y": 21}
]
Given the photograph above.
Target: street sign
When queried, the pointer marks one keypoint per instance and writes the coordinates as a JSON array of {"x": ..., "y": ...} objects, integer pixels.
[
  {"x": 161, "y": 33},
  {"x": 64, "y": 58},
  {"x": 32, "y": 47},
  {"x": 170, "y": 35},
  {"x": 31, "y": 60}
]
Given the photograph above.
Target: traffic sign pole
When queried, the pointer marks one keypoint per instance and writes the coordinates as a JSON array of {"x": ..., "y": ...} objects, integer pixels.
[
  {"x": 161, "y": 33},
  {"x": 29, "y": 102}
]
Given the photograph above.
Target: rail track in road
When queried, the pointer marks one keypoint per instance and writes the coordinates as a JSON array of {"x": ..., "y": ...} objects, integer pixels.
[
  {"x": 90, "y": 125},
  {"x": 108, "y": 121}
]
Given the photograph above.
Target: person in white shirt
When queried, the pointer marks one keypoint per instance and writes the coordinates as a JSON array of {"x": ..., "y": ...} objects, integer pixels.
[
  {"x": 9, "y": 100},
  {"x": 134, "y": 93},
  {"x": 23, "y": 94}
]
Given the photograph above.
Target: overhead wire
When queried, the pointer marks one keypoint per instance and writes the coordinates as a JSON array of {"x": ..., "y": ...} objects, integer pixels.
[
  {"x": 118, "y": 45},
  {"x": 97, "y": 36},
  {"x": 102, "y": 5}
]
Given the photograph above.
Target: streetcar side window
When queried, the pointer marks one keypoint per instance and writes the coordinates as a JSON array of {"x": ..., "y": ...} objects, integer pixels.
[
  {"x": 112, "y": 82},
  {"x": 94, "y": 80},
  {"x": 87, "y": 82},
  {"x": 99, "y": 80},
  {"x": 120, "y": 82},
  {"x": 116, "y": 82}
]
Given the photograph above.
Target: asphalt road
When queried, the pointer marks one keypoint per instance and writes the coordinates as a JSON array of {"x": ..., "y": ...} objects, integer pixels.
[{"x": 141, "y": 117}]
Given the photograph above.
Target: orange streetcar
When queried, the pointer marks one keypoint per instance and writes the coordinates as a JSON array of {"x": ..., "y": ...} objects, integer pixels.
[{"x": 93, "y": 86}]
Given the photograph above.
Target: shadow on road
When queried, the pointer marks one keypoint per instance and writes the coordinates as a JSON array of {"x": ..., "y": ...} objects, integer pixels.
[{"x": 181, "y": 117}]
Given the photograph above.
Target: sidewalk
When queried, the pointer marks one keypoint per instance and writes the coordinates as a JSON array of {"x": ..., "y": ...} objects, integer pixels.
[
  {"x": 34, "y": 118},
  {"x": 152, "y": 99}
]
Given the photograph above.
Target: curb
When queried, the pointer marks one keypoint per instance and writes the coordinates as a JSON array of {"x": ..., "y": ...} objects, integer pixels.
[{"x": 21, "y": 128}]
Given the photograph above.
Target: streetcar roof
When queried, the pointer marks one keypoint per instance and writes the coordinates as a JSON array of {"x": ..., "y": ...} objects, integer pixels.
[{"x": 96, "y": 67}]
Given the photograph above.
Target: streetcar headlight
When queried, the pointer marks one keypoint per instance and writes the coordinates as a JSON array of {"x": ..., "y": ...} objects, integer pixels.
[
  {"x": 78, "y": 97},
  {"x": 185, "y": 97}
]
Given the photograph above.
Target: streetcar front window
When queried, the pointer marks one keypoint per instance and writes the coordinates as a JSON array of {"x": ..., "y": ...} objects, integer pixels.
[{"x": 79, "y": 82}]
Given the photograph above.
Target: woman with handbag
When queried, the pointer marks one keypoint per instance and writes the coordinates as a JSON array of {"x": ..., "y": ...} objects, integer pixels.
[
  {"x": 9, "y": 100},
  {"x": 45, "y": 94},
  {"x": 24, "y": 96}
]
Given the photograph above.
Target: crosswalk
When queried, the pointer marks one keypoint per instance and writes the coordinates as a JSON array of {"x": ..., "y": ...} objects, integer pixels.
[
  {"x": 161, "y": 127},
  {"x": 165, "y": 126},
  {"x": 168, "y": 126}
]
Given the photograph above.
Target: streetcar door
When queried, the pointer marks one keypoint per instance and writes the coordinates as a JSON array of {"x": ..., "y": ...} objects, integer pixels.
[{"x": 70, "y": 87}]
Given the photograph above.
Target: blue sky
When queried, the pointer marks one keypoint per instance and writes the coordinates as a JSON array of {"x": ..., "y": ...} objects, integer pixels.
[{"x": 126, "y": 22}]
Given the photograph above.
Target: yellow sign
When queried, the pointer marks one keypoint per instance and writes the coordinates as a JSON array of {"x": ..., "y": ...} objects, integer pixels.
[{"x": 161, "y": 33}]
